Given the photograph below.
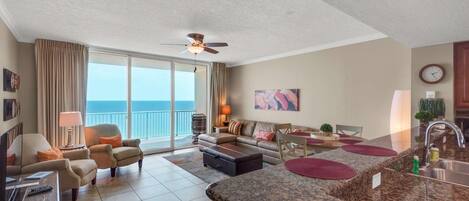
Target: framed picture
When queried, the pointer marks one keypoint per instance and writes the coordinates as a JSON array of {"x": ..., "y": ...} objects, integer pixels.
[
  {"x": 11, "y": 81},
  {"x": 11, "y": 109},
  {"x": 278, "y": 99}
]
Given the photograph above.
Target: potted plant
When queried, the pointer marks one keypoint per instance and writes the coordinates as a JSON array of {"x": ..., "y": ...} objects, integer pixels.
[
  {"x": 424, "y": 117},
  {"x": 327, "y": 129},
  {"x": 436, "y": 106}
]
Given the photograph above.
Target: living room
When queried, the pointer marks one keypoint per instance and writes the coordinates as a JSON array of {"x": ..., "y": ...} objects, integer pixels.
[{"x": 224, "y": 100}]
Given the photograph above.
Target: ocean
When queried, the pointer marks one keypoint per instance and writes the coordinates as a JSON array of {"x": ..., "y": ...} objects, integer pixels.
[
  {"x": 121, "y": 106},
  {"x": 150, "y": 119}
]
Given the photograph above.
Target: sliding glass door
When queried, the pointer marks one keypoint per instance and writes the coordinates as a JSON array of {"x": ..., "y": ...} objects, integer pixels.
[
  {"x": 148, "y": 98},
  {"x": 106, "y": 101},
  {"x": 190, "y": 89},
  {"x": 151, "y": 103}
]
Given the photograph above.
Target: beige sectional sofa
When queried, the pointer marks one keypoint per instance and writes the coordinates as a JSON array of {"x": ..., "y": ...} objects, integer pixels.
[{"x": 247, "y": 138}]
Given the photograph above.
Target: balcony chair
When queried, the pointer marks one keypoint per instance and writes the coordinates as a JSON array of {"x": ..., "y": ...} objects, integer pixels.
[
  {"x": 75, "y": 170},
  {"x": 108, "y": 157},
  {"x": 290, "y": 146},
  {"x": 349, "y": 130}
]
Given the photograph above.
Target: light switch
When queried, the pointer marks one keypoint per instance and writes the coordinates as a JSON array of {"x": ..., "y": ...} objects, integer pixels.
[{"x": 376, "y": 180}]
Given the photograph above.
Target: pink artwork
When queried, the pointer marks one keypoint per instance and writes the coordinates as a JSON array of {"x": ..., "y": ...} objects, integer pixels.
[{"x": 278, "y": 99}]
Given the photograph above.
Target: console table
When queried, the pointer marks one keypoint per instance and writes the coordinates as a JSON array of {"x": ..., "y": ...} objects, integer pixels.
[{"x": 53, "y": 195}]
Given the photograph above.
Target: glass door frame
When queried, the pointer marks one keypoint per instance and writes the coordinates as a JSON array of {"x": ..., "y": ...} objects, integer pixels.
[{"x": 173, "y": 60}]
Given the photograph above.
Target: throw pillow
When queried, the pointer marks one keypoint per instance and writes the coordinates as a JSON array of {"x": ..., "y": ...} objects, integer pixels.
[
  {"x": 234, "y": 127},
  {"x": 114, "y": 141},
  {"x": 11, "y": 159},
  {"x": 265, "y": 135},
  {"x": 51, "y": 154}
]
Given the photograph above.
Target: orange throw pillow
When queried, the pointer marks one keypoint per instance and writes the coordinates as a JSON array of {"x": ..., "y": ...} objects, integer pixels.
[
  {"x": 11, "y": 159},
  {"x": 51, "y": 154},
  {"x": 115, "y": 141}
]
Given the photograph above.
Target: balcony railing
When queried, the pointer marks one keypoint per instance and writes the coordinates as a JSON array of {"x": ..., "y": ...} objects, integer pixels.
[{"x": 146, "y": 124}]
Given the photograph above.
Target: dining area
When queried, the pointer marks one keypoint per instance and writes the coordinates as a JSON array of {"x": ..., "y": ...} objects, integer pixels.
[{"x": 296, "y": 143}]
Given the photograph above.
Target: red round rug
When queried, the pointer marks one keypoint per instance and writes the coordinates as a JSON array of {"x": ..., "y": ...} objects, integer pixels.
[
  {"x": 320, "y": 169},
  {"x": 369, "y": 150},
  {"x": 349, "y": 141}
]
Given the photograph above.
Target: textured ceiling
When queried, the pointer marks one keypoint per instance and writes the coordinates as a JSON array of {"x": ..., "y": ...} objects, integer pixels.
[
  {"x": 253, "y": 29},
  {"x": 414, "y": 23}
]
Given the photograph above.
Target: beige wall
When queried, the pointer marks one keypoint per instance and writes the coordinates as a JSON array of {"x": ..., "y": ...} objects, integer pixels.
[
  {"x": 28, "y": 92},
  {"x": 352, "y": 84},
  {"x": 8, "y": 59},
  {"x": 437, "y": 54}
]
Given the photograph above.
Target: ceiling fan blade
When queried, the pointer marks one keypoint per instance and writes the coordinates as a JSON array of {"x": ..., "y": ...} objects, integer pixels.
[
  {"x": 210, "y": 50},
  {"x": 173, "y": 44},
  {"x": 216, "y": 44},
  {"x": 196, "y": 37}
]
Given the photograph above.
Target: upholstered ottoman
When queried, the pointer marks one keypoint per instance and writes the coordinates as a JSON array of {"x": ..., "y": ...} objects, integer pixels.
[{"x": 232, "y": 160}]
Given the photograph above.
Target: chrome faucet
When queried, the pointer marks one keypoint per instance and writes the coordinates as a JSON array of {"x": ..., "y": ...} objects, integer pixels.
[{"x": 427, "y": 145}]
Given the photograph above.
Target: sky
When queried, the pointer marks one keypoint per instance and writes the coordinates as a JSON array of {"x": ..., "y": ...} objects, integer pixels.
[{"x": 109, "y": 82}]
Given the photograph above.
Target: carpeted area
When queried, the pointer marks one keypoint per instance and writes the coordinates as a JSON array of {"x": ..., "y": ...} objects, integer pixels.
[{"x": 192, "y": 162}]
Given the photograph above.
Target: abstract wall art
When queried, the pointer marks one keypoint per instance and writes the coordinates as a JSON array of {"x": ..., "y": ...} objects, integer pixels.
[{"x": 277, "y": 99}]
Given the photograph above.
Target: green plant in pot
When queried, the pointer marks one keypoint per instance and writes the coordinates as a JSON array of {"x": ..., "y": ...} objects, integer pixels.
[
  {"x": 326, "y": 128},
  {"x": 424, "y": 117},
  {"x": 436, "y": 106}
]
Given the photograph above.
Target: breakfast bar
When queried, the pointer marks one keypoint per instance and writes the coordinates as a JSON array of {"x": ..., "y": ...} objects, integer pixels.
[{"x": 278, "y": 183}]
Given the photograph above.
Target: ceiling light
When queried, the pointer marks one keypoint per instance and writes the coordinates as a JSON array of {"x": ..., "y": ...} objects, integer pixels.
[{"x": 195, "y": 49}]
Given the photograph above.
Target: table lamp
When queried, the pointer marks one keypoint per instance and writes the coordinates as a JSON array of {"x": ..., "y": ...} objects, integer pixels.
[
  {"x": 226, "y": 110},
  {"x": 69, "y": 120}
]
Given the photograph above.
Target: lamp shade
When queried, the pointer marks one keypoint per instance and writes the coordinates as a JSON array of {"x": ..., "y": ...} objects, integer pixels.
[
  {"x": 67, "y": 119},
  {"x": 226, "y": 109},
  {"x": 400, "y": 111}
]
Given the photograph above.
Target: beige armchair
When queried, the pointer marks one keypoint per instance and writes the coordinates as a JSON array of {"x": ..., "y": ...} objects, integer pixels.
[
  {"x": 75, "y": 170},
  {"x": 108, "y": 157}
]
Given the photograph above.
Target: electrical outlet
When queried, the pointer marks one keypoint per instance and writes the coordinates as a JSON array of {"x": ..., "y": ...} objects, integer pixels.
[{"x": 376, "y": 180}]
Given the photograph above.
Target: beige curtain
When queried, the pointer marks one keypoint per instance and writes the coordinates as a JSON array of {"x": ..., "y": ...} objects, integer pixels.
[
  {"x": 61, "y": 82},
  {"x": 218, "y": 87}
]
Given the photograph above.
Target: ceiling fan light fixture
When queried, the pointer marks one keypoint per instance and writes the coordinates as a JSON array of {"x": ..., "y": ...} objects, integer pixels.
[{"x": 195, "y": 49}]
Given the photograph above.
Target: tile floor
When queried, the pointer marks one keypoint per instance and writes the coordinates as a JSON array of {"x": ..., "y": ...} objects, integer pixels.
[{"x": 159, "y": 180}]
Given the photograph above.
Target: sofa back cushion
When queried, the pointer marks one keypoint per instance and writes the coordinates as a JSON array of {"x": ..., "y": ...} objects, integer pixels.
[
  {"x": 264, "y": 126},
  {"x": 248, "y": 128}
]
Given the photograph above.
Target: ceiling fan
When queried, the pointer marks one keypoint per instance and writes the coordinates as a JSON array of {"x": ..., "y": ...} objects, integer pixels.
[{"x": 197, "y": 45}]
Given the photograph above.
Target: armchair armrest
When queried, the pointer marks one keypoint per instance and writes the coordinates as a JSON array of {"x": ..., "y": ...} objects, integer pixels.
[
  {"x": 107, "y": 148},
  {"x": 131, "y": 142},
  {"x": 223, "y": 130},
  {"x": 52, "y": 165},
  {"x": 77, "y": 154}
]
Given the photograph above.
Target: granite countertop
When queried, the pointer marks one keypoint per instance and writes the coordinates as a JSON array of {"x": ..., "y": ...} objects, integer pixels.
[{"x": 277, "y": 183}]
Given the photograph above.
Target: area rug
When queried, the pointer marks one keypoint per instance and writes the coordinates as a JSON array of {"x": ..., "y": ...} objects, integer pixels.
[{"x": 192, "y": 162}]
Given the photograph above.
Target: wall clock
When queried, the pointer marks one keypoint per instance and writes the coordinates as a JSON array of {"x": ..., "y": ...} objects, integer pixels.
[{"x": 432, "y": 73}]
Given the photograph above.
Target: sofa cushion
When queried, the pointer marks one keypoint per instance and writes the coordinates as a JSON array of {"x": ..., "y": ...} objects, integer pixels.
[
  {"x": 248, "y": 128},
  {"x": 268, "y": 145},
  {"x": 218, "y": 138},
  {"x": 121, "y": 153},
  {"x": 234, "y": 127},
  {"x": 247, "y": 140},
  {"x": 83, "y": 167},
  {"x": 263, "y": 126}
]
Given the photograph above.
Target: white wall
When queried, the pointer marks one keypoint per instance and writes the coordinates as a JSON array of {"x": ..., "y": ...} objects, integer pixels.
[
  {"x": 437, "y": 54},
  {"x": 352, "y": 84}
]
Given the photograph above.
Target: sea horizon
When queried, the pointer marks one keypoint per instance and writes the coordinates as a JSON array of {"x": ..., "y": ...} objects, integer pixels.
[{"x": 103, "y": 106}]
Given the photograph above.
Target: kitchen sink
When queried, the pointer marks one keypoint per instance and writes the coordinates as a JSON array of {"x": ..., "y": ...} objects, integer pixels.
[{"x": 450, "y": 171}]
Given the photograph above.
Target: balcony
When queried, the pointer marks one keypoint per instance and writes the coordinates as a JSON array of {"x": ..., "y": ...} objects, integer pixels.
[{"x": 152, "y": 127}]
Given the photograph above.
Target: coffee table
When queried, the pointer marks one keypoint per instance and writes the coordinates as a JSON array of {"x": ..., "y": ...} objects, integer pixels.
[{"x": 231, "y": 159}]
